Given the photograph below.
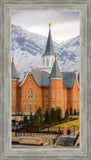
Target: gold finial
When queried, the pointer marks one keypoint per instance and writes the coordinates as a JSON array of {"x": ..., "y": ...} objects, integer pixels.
[
  {"x": 56, "y": 56},
  {"x": 12, "y": 59},
  {"x": 50, "y": 26}
]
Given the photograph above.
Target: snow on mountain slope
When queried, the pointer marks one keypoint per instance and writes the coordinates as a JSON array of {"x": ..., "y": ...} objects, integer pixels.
[{"x": 28, "y": 48}]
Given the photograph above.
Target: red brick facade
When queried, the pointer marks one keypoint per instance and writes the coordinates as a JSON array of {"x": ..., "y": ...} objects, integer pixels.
[{"x": 45, "y": 97}]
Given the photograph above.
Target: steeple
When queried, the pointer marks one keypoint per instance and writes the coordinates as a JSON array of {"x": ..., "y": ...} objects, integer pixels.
[
  {"x": 55, "y": 73},
  {"x": 14, "y": 73},
  {"x": 49, "y": 47}
]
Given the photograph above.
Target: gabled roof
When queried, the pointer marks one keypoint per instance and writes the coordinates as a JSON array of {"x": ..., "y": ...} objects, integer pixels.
[
  {"x": 42, "y": 78},
  {"x": 49, "y": 46},
  {"x": 13, "y": 70},
  {"x": 55, "y": 70}
]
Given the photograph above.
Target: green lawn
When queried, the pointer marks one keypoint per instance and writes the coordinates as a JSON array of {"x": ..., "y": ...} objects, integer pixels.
[
  {"x": 68, "y": 124},
  {"x": 74, "y": 116}
]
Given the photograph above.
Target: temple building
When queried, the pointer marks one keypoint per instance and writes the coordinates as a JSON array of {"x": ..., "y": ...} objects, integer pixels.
[{"x": 45, "y": 87}]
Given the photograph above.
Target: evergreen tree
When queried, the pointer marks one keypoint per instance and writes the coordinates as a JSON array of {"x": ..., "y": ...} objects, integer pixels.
[
  {"x": 66, "y": 114},
  {"x": 31, "y": 120},
  {"x": 25, "y": 122},
  {"x": 70, "y": 110},
  {"x": 74, "y": 111},
  {"x": 36, "y": 121},
  {"x": 53, "y": 115},
  {"x": 58, "y": 112},
  {"x": 47, "y": 117},
  {"x": 39, "y": 112}
]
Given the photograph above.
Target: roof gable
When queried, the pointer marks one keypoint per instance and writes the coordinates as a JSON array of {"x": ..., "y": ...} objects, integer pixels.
[
  {"x": 49, "y": 47},
  {"x": 55, "y": 70},
  {"x": 42, "y": 78},
  {"x": 13, "y": 70}
]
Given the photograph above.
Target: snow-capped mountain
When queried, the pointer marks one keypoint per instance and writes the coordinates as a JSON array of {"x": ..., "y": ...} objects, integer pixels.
[{"x": 28, "y": 48}]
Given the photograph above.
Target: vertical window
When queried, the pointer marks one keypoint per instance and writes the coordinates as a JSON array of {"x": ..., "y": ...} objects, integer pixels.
[
  {"x": 52, "y": 62},
  {"x": 43, "y": 62},
  {"x": 35, "y": 106},
  {"x": 24, "y": 106},
  {"x": 53, "y": 105},
  {"x": 13, "y": 106},
  {"x": 13, "y": 83},
  {"x": 24, "y": 94},
  {"x": 13, "y": 94},
  {"x": 30, "y": 93},
  {"x": 62, "y": 94},
  {"x": 58, "y": 94},
  {"x": 35, "y": 94},
  {"x": 53, "y": 94},
  {"x": 30, "y": 106},
  {"x": 53, "y": 83},
  {"x": 46, "y": 94},
  {"x": 58, "y": 83},
  {"x": 47, "y": 62},
  {"x": 46, "y": 106}
]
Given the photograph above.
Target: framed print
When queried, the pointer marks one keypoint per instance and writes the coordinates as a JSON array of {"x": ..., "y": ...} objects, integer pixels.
[
  {"x": 45, "y": 76},
  {"x": 45, "y": 94}
]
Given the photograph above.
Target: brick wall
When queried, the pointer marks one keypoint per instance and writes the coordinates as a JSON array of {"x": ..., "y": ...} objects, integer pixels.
[{"x": 44, "y": 97}]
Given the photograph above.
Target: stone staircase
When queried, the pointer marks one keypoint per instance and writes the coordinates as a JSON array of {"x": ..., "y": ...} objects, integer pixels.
[{"x": 66, "y": 141}]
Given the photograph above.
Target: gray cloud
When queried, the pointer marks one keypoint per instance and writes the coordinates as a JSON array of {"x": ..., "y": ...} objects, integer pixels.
[{"x": 37, "y": 21}]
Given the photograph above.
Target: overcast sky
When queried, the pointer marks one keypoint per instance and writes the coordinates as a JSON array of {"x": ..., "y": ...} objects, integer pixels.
[{"x": 65, "y": 25}]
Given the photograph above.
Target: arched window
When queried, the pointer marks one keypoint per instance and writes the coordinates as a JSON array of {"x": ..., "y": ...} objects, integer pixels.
[
  {"x": 24, "y": 94},
  {"x": 13, "y": 94},
  {"x": 13, "y": 106},
  {"x": 46, "y": 94},
  {"x": 30, "y": 93},
  {"x": 30, "y": 106},
  {"x": 47, "y": 62},
  {"x": 24, "y": 106},
  {"x": 53, "y": 94},
  {"x": 58, "y": 94}
]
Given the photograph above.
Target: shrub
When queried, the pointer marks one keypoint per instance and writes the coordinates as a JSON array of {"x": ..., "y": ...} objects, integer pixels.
[
  {"x": 74, "y": 111},
  {"x": 58, "y": 112},
  {"x": 47, "y": 117},
  {"x": 66, "y": 114},
  {"x": 53, "y": 115},
  {"x": 70, "y": 110}
]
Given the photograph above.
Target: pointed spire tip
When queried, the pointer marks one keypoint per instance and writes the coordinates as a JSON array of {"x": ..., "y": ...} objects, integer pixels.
[
  {"x": 12, "y": 59},
  {"x": 50, "y": 26}
]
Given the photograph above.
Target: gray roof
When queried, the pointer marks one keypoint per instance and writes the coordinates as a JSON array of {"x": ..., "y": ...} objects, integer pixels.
[
  {"x": 55, "y": 70},
  {"x": 78, "y": 77},
  {"x": 42, "y": 78},
  {"x": 68, "y": 79},
  {"x": 49, "y": 47},
  {"x": 13, "y": 71}
]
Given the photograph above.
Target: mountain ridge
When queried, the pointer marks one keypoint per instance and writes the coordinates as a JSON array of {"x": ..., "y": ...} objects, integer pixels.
[{"x": 28, "y": 48}]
